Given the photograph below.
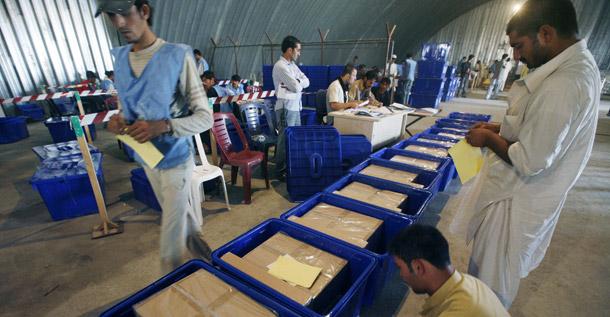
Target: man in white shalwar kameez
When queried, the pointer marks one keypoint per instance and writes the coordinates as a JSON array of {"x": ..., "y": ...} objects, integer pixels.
[{"x": 538, "y": 152}]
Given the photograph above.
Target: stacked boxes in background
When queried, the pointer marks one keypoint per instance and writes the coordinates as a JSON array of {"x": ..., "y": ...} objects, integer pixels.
[
  {"x": 32, "y": 111},
  {"x": 268, "y": 78},
  {"x": 61, "y": 131},
  {"x": 318, "y": 79},
  {"x": 451, "y": 83},
  {"x": 428, "y": 86}
]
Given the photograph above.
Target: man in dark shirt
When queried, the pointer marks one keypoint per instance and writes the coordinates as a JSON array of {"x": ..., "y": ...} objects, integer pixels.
[
  {"x": 465, "y": 76},
  {"x": 381, "y": 91}
]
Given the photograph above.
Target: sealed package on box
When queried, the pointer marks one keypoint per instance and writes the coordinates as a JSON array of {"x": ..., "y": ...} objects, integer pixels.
[
  {"x": 391, "y": 174},
  {"x": 200, "y": 294},
  {"x": 340, "y": 223},
  {"x": 369, "y": 194}
]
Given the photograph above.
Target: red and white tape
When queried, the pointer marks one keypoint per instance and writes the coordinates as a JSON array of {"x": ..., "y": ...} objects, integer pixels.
[
  {"x": 97, "y": 117},
  {"x": 69, "y": 86},
  {"x": 57, "y": 95},
  {"x": 254, "y": 95},
  {"x": 226, "y": 82}
]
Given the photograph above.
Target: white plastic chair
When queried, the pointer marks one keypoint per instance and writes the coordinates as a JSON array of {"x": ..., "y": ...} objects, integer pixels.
[{"x": 203, "y": 173}]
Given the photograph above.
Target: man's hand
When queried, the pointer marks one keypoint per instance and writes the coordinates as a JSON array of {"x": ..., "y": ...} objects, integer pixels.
[
  {"x": 144, "y": 131},
  {"x": 117, "y": 124},
  {"x": 495, "y": 128},
  {"x": 479, "y": 137},
  {"x": 353, "y": 104}
]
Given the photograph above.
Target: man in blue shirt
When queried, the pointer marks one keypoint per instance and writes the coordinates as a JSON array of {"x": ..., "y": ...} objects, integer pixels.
[
  {"x": 202, "y": 65},
  {"x": 165, "y": 110},
  {"x": 408, "y": 77}
]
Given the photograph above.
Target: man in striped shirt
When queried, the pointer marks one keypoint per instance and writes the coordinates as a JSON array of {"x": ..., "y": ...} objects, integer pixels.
[{"x": 289, "y": 83}]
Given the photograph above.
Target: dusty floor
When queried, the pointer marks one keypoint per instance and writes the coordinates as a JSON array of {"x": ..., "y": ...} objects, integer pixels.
[{"x": 54, "y": 268}]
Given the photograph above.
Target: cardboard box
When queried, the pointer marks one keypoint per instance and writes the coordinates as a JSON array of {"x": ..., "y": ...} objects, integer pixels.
[
  {"x": 431, "y": 165},
  {"x": 438, "y": 152},
  {"x": 391, "y": 174},
  {"x": 451, "y": 135},
  {"x": 258, "y": 261},
  {"x": 340, "y": 223},
  {"x": 369, "y": 194},
  {"x": 200, "y": 294}
]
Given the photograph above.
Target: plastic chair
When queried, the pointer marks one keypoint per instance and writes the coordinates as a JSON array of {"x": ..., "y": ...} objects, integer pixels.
[
  {"x": 321, "y": 110},
  {"x": 244, "y": 159},
  {"x": 112, "y": 100},
  {"x": 261, "y": 142},
  {"x": 203, "y": 173}
]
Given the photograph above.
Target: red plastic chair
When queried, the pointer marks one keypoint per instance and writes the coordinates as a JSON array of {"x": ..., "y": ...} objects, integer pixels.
[
  {"x": 244, "y": 159},
  {"x": 112, "y": 101}
]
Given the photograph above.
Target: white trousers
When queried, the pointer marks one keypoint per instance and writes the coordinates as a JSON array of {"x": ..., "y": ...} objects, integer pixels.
[{"x": 179, "y": 229}]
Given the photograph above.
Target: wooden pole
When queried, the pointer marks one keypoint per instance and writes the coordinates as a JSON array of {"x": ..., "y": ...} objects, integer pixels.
[
  {"x": 387, "y": 51},
  {"x": 271, "y": 44},
  {"x": 214, "y": 49},
  {"x": 235, "y": 50},
  {"x": 107, "y": 227},
  {"x": 81, "y": 110},
  {"x": 323, "y": 39}
]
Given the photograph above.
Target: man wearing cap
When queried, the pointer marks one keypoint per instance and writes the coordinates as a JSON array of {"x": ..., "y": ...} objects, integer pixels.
[{"x": 165, "y": 110}]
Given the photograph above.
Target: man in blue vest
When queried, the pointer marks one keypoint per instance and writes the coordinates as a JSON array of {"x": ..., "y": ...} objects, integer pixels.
[{"x": 164, "y": 103}]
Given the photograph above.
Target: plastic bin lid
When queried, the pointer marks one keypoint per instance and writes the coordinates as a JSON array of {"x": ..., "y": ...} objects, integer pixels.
[
  {"x": 57, "y": 119},
  {"x": 60, "y": 149},
  {"x": 64, "y": 167}
]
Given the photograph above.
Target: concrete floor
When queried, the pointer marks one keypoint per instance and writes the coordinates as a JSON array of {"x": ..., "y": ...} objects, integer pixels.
[{"x": 54, "y": 268}]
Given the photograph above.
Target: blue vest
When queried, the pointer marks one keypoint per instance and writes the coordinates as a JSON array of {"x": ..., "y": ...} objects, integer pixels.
[{"x": 148, "y": 98}]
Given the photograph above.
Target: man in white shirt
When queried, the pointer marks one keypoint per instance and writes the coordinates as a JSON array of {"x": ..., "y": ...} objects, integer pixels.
[
  {"x": 536, "y": 155},
  {"x": 495, "y": 83},
  {"x": 336, "y": 95},
  {"x": 391, "y": 70},
  {"x": 289, "y": 83}
]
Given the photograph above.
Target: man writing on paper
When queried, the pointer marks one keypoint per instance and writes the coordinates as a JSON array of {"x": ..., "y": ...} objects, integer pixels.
[
  {"x": 360, "y": 90},
  {"x": 289, "y": 82},
  {"x": 422, "y": 255},
  {"x": 164, "y": 102},
  {"x": 538, "y": 152},
  {"x": 336, "y": 95}
]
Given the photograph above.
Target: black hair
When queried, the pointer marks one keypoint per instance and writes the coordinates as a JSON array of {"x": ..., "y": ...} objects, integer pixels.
[
  {"x": 208, "y": 74},
  {"x": 361, "y": 66},
  {"x": 197, "y": 52},
  {"x": 289, "y": 42},
  {"x": 470, "y": 57},
  {"x": 235, "y": 77},
  {"x": 109, "y": 73},
  {"x": 504, "y": 56},
  {"x": 559, "y": 14},
  {"x": 348, "y": 69},
  {"x": 371, "y": 74},
  {"x": 356, "y": 57},
  {"x": 139, "y": 4},
  {"x": 91, "y": 74},
  {"x": 409, "y": 55},
  {"x": 421, "y": 242},
  {"x": 385, "y": 80}
]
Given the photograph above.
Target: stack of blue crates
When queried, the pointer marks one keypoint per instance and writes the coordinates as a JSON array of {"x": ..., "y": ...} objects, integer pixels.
[
  {"x": 268, "y": 78},
  {"x": 318, "y": 79},
  {"x": 64, "y": 185},
  {"x": 428, "y": 86},
  {"x": 313, "y": 159},
  {"x": 304, "y": 97},
  {"x": 13, "y": 129},
  {"x": 451, "y": 84}
]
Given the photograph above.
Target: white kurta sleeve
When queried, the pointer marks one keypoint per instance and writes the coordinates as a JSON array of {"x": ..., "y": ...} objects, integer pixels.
[{"x": 544, "y": 136}]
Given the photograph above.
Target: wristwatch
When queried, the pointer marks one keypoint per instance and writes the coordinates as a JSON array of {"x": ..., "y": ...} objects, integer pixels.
[{"x": 168, "y": 126}]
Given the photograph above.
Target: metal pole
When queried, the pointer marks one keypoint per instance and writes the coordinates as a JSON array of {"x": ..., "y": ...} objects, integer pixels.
[
  {"x": 387, "y": 51},
  {"x": 271, "y": 44},
  {"x": 235, "y": 50},
  {"x": 323, "y": 39}
]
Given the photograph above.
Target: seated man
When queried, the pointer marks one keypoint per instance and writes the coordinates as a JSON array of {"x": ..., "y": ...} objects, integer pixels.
[
  {"x": 422, "y": 254},
  {"x": 235, "y": 87},
  {"x": 336, "y": 95},
  {"x": 209, "y": 80},
  {"x": 381, "y": 91},
  {"x": 360, "y": 90}
]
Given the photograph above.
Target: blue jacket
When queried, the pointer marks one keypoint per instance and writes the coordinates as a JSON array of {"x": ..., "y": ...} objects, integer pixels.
[{"x": 149, "y": 97}]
